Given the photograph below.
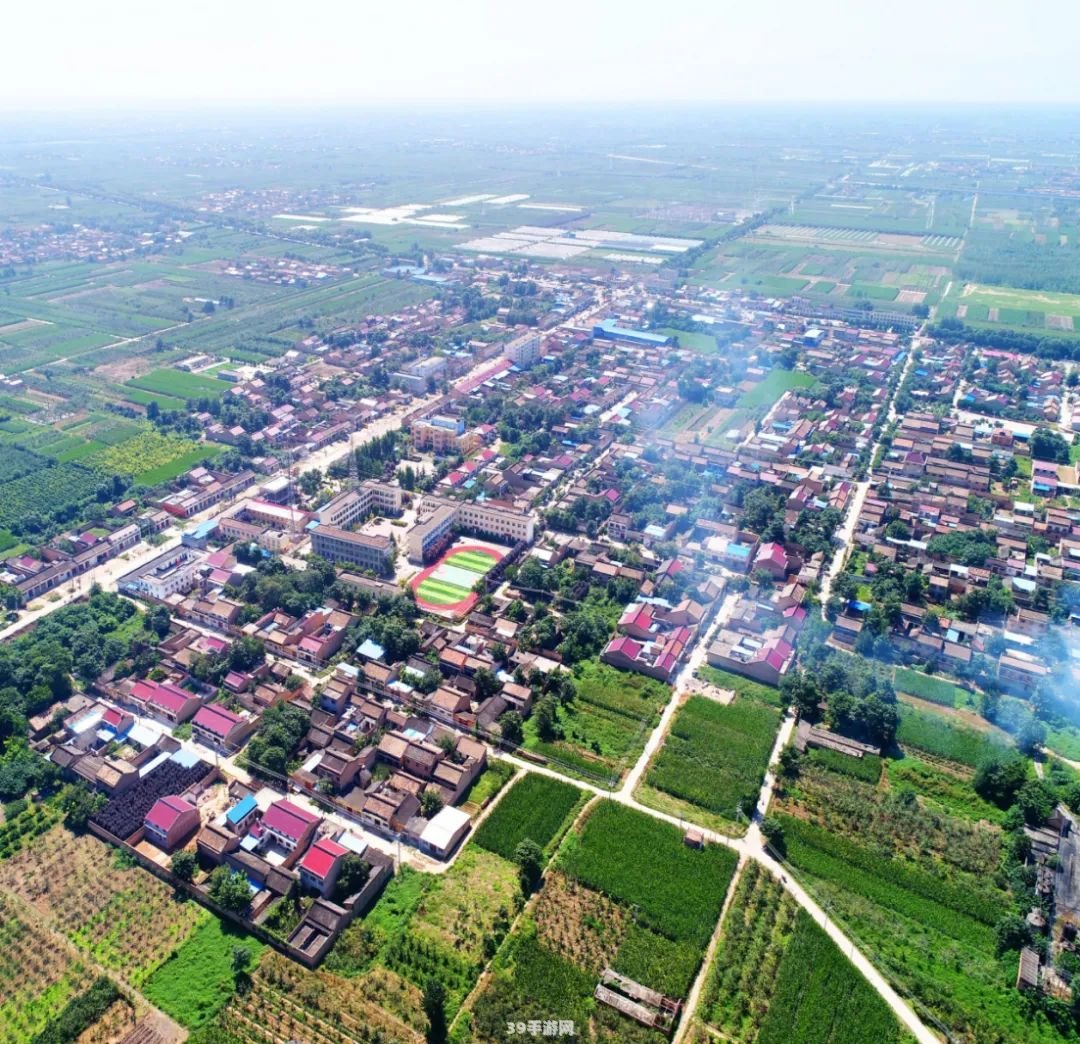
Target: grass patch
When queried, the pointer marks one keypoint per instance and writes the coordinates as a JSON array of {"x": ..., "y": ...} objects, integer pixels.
[
  {"x": 744, "y": 688},
  {"x": 934, "y": 690},
  {"x": 776, "y": 382},
  {"x": 197, "y": 980}
]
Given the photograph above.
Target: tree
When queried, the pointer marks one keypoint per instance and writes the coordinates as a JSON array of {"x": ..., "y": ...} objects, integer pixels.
[
  {"x": 487, "y": 685},
  {"x": 1036, "y": 801},
  {"x": 230, "y": 889},
  {"x": 79, "y": 803},
  {"x": 184, "y": 864},
  {"x": 435, "y": 1010},
  {"x": 241, "y": 959},
  {"x": 773, "y": 831},
  {"x": 510, "y": 726},
  {"x": 999, "y": 775},
  {"x": 1031, "y": 736},
  {"x": 1011, "y": 933},
  {"x": 548, "y": 727},
  {"x": 430, "y": 803},
  {"x": 530, "y": 863},
  {"x": 802, "y": 692},
  {"x": 352, "y": 876},
  {"x": 1049, "y": 445}
]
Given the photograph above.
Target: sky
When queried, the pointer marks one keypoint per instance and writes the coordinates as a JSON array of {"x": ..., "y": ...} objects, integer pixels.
[{"x": 70, "y": 54}]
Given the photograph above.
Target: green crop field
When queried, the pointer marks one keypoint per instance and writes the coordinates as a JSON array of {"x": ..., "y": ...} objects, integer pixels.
[
  {"x": 715, "y": 756},
  {"x": 926, "y": 687},
  {"x": 819, "y": 996},
  {"x": 178, "y": 465},
  {"x": 180, "y": 384},
  {"x": 776, "y": 382},
  {"x": 641, "y": 861},
  {"x": 937, "y": 735},
  {"x": 1058, "y": 314},
  {"x": 536, "y": 807}
]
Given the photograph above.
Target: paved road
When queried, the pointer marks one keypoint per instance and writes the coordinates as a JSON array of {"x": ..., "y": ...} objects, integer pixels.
[
  {"x": 105, "y": 574},
  {"x": 846, "y": 533},
  {"x": 749, "y": 847}
]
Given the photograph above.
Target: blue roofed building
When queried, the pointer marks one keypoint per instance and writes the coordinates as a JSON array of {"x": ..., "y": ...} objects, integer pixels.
[{"x": 609, "y": 330}]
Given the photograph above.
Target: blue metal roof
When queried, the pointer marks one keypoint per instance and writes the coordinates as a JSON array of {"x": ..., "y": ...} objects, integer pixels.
[{"x": 241, "y": 809}]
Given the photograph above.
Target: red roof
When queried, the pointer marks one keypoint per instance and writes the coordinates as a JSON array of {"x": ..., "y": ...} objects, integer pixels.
[
  {"x": 626, "y": 646},
  {"x": 322, "y": 856},
  {"x": 218, "y": 720},
  {"x": 774, "y": 553},
  {"x": 637, "y": 615},
  {"x": 163, "y": 694},
  {"x": 285, "y": 818},
  {"x": 166, "y": 811}
]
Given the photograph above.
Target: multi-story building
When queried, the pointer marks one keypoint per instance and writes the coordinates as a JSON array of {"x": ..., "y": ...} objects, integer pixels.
[
  {"x": 174, "y": 572},
  {"x": 204, "y": 489},
  {"x": 374, "y": 552},
  {"x": 350, "y": 507},
  {"x": 523, "y": 350},
  {"x": 441, "y": 517}
]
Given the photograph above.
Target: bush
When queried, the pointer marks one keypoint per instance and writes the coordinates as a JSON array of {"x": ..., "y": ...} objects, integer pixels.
[{"x": 79, "y": 1014}]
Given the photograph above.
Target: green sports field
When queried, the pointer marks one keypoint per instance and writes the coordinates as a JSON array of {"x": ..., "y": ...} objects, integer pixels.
[{"x": 451, "y": 581}]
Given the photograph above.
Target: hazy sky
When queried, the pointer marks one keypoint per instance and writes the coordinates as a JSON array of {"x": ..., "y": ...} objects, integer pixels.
[{"x": 74, "y": 53}]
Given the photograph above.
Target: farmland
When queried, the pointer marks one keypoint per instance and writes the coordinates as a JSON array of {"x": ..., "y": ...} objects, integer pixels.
[
  {"x": 715, "y": 758},
  {"x": 144, "y": 452},
  {"x": 536, "y": 807},
  {"x": 433, "y": 925},
  {"x": 642, "y": 861},
  {"x": 820, "y": 997},
  {"x": 35, "y": 984},
  {"x": 978, "y": 305},
  {"x": 287, "y": 1002},
  {"x": 776, "y": 970},
  {"x": 51, "y": 495},
  {"x": 941, "y": 737},
  {"x": 910, "y": 865},
  {"x": 122, "y": 917},
  {"x": 625, "y": 893},
  {"x": 605, "y": 726},
  {"x": 927, "y": 687},
  {"x": 180, "y": 384},
  {"x": 832, "y": 266}
]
